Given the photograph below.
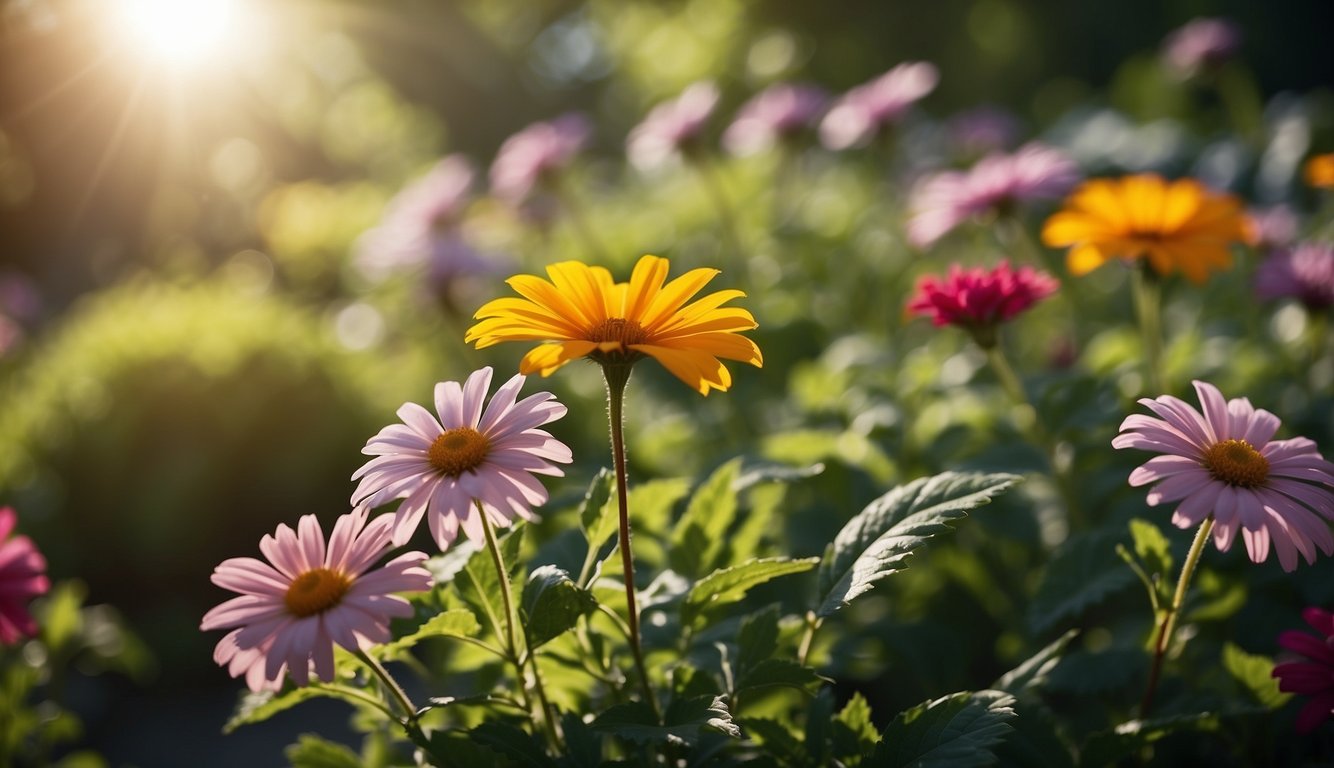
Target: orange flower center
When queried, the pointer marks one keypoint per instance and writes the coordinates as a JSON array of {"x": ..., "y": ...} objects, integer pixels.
[
  {"x": 458, "y": 450},
  {"x": 621, "y": 333},
  {"x": 316, "y": 591},
  {"x": 1236, "y": 462}
]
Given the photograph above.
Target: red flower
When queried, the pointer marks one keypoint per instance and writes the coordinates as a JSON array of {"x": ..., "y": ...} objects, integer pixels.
[
  {"x": 978, "y": 299},
  {"x": 1313, "y": 675}
]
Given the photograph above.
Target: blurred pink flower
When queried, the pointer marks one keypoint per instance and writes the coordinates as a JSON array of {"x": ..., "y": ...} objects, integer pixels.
[
  {"x": 864, "y": 111},
  {"x": 1226, "y": 464},
  {"x": 1311, "y": 672},
  {"x": 291, "y": 613},
  {"x": 22, "y": 577},
  {"x": 1273, "y": 227},
  {"x": 978, "y": 299},
  {"x": 1304, "y": 273},
  {"x": 532, "y": 156},
  {"x": 774, "y": 115},
  {"x": 10, "y": 334},
  {"x": 673, "y": 127},
  {"x": 997, "y": 183},
  {"x": 441, "y": 467},
  {"x": 1200, "y": 45},
  {"x": 983, "y": 129},
  {"x": 421, "y": 227}
]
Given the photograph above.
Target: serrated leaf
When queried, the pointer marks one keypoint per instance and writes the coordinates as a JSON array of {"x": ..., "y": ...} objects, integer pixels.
[
  {"x": 583, "y": 746},
  {"x": 699, "y": 536},
  {"x": 774, "y": 737},
  {"x": 507, "y": 740},
  {"x": 311, "y": 751},
  {"x": 774, "y": 473},
  {"x": 1085, "y": 571},
  {"x": 258, "y": 707},
  {"x": 781, "y": 673},
  {"x": 684, "y": 721},
  {"x": 757, "y": 639},
  {"x": 597, "y": 513},
  {"x": 1036, "y": 741},
  {"x": 874, "y": 544},
  {"x": 1254, "y": 672},
  {"x": 956, "y": 731},
  {"x": 853, "y": 734},
  {"x": 1033, "y": 672},
  {"x": 1131, "y": 737},
  {"x": 728, "y": 585},
  {"x": 552, "y": 603},
  {"x": 458, "y": 622}
]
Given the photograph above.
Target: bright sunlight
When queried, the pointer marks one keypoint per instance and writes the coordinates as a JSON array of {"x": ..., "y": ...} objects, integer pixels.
[{"x": 179, "y": 32}]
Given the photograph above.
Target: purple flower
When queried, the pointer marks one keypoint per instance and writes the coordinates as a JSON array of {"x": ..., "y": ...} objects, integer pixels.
[
  {"x": 1224, "y": 463},
  {"x": 673, "y": 127},
  {"x": 421, "y": 227},
  {"x": 774, "y": 115},
  {"x": 1201, "y": 45},
  {"x": 984, "y": 129},
  {"x": 1311, "y": 672},
  {"x": 533, "y": 155},
  {"x": 864, "y": 111},
  {"x": 1273, "y": 227},
  {"x": 944, "y": 200},
  {"x": 1304, "y": 273}
]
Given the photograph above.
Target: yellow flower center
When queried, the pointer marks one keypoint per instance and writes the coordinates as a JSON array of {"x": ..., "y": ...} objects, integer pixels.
[
  {"x": 316, "y": 592},
  {"x": 1236, "y": 462},
  {"x": 458, "y": 450},
  {"x": 619, "y": 332}
]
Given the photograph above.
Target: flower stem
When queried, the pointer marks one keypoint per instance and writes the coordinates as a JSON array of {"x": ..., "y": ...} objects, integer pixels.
[
  {"x": 1169, "y": 620},
  {"x": 1148, "y": 306},
  {"x": 617, "y": 376},
  {"x": 409, "y": 721},
  {"x": 511, "y": 645},
  {"x": 808, "y": 637}
]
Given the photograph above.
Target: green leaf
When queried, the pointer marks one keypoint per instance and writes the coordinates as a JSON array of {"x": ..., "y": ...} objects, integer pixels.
[
  {"x": 1081, "y": 574},
  {"x": 311, "y": 751},
  {"x": 853, "y": 733},
  {"x": 1131, "y": 737},
  {"x": 779, "y": 672},
  {"x": 684, "y": 720},
  {"x": 258, "y": 707},
  {"x": 583, "y": 747},
  {"x": 1033, "y": 673},
  {"x": 513, "y": 743},
  {"x": 597, "y": 514},
  {"x": 874, "y": 544},
  {"x": 457, "y": 622},
  {"x": 478, "y": 584},
  {"x": 699, "y": 536},
  {"x": 552, "y": 603},
  {"x": 757, "y": 639},
  {"x": 59, "y": 615},
  {"x": 775, "y": 737},
  {"x": 1254, "y": 672},
  {"x": 1152, "y": 547},
  {"x": 774, "y": 473},
  {"x": 956, "y": 731},
  {"x": 728, "y": 585}
]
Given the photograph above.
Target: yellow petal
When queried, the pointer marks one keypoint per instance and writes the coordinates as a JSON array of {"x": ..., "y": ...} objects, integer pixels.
[
  {"x": 1083, "y": 259},
  {"x": 700, "y": 370},
  {"x": 546, "y": 358},
  {"x": 675, "y": 294},
  {"x": 645, "y": 283}
]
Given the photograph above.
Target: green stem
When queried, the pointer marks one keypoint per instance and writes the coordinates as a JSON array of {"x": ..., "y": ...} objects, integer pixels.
[
  {"x": 617, "y": 376},
  {"x": 1148, "y": 306},
  {"x": 1169, "y": 620},
  {"x": 409, "y": 721},
  {"x": 808, "y": 637},
  {"x": 355, "y": 695}
]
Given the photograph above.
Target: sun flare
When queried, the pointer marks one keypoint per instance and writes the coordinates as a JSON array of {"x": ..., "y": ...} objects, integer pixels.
[{"x": 179, "y": 32}]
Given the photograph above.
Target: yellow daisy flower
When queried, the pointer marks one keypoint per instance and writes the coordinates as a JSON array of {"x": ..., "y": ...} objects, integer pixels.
[
  {"x": 582, "y": 312},
  {"x": 1319, "y": 171},
  {"x": 1176, "y": 225}
]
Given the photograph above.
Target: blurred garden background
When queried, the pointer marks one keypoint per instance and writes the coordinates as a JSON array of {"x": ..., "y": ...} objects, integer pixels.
[{"x": 206, "y": 310}]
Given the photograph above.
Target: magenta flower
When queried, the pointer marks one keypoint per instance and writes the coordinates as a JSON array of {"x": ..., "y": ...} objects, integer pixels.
[
  {"x": 534, "y": 155},
  {"x": 309, "y": 596},
  {"x": 775, "y": 115},
  {"x": 1201, "y": 45},
  {"x": 1226, "y": 465},
  {"x": 1312, "y": 672},
  {"x": 673, "y": 127},
  {"x": 864, "y": 111},
  {"x": 978, "y": 299},
  {"x": 444, "y": 467},
  {"x": 421, "y": 228},
  {"x": 996, "y": 184},
  {"x": 22, "y": 577},
  {"x": 1304, "y": 273}
]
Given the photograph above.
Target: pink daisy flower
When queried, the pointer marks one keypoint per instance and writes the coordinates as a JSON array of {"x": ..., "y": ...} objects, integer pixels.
[
  {"x": 1304, "y": 273},
  {"x": 1225, "y": 464},
  {"x": 442, "y": 466},
  {"x": 978, "y": 299},
  {"x": 22, "y": 577},
  {"x": 292, "y": 612},
  {"x": 775, "y": 115},
  {"x": 864, "y": 111},
  {"x": 530, "y": 157},
  {"x": 1201, "y": 45},
  {"x": 673, "y": 127},
  {"x": 1312, "y": 672},
  {"x": 997, "y": 183}
]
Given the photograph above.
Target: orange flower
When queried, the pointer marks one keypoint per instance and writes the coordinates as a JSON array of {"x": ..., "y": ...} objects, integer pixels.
[
  {"x": 582, "y": 312},
  {"x": 1320, "y": 171},
  {"x": 1177, "y": 226}
]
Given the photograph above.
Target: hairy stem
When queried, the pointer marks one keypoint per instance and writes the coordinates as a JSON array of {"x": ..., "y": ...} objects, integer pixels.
[{"x": 1169, "y": 620}]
